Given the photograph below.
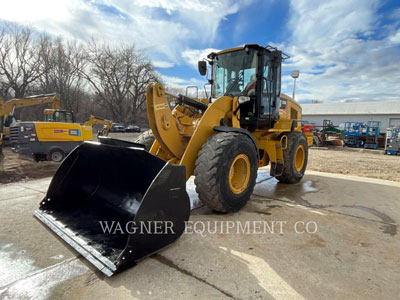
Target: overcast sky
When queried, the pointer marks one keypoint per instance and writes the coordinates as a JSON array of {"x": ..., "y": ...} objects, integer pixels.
[{"x": 344, "y": 49}]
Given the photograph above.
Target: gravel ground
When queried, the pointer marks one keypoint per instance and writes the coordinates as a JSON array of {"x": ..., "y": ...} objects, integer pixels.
[{"x": 365, "y": 163}]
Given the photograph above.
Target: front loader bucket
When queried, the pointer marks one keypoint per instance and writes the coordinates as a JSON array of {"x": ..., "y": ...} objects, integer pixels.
[{"x": 116, "y": 205}]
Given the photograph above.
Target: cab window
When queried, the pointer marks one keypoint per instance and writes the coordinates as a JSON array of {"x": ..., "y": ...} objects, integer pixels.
[{"x": 63, "y": 116}]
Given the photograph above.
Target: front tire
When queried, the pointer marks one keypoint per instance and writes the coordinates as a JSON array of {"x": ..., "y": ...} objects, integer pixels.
[
  {"x": 226, "y": 171},
  {"x": 295, "y": 158}
]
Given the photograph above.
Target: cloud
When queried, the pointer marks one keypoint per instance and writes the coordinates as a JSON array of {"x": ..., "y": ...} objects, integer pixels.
[
  {"x": 395, "y": 38},
  {"x": 342, "y": 52},
  {"x": 161, "y": 28},
  {"x": 180, "y": 83},
  {"x": 162, "y": 64},
  {"x": 343, "y": 48},
  {"x": 192, "y": 56}
]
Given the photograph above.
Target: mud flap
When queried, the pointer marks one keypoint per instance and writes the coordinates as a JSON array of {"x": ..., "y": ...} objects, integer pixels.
[
  {"x": 276, "y": 169},
  {"x": 116, "y": 205}
]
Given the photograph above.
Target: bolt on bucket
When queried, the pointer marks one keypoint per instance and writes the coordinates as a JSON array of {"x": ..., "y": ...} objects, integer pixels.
[{"x": 116, "y": 204}]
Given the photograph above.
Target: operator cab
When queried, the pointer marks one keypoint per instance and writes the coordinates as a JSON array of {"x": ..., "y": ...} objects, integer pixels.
[
  {"x": 57, "y": 115},
  {"x": 252, "y": 73}
]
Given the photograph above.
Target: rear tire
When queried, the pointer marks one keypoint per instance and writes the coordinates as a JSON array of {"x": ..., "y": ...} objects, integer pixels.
[
  {"x": 146, "y": 138},
  {"x": 226, "y": 171},
  {"x": 295, "y": 158},
  {"x": 56, "y": 155}
]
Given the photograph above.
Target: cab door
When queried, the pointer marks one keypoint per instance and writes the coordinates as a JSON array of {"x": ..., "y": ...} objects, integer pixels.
[{"x": 270, "y": 90}]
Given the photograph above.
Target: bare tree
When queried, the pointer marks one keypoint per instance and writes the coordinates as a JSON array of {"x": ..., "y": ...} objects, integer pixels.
[
  {"x": 20, "y": 58},
  {"x": 119, "y": 77},
  {"x": 4, "y": 89},
  {"x": 4, "y": 86},
  {"x": 62, "y": 72},
  {"x": 109, "y": 81}
]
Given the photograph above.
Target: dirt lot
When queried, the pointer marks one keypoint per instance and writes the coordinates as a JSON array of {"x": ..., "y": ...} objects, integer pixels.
[
  {"x": 13, "y": 168},
  {"x": 365, "y": 163}
]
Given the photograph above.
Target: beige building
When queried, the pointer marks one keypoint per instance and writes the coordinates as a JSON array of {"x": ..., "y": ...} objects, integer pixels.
[{"x": 387, "y": 112}]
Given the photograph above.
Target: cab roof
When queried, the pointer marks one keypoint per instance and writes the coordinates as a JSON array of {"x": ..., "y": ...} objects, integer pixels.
[
  {"x": 254, "y": 46},
  {"x": 213, "y": 54}
]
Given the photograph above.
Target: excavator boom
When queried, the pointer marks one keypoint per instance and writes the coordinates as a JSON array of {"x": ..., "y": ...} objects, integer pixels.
[
  {"x": 97, "y": 120},
  {"x": 7, "y": 107}
]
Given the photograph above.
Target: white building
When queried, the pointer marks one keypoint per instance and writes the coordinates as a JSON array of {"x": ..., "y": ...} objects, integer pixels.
[{"x": 387, "y": 112}]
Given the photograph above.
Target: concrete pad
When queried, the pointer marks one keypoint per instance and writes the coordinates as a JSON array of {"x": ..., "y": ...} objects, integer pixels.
[
  {"x": 150, "y": 279},
  {"x": 40, "y": 185},
  {"x": 13, "y": 191},
  {"x": 353, "y": 252},
  {"x": 24, "y": 242}
]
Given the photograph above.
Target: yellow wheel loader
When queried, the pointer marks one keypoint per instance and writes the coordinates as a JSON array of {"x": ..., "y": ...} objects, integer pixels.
[
  {"x": 54, "y": 138},
  {"x": 246, "y": 123}
]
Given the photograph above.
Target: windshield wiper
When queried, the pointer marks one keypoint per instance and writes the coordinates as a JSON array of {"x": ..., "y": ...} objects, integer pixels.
[{"x": 232, "y": 85}]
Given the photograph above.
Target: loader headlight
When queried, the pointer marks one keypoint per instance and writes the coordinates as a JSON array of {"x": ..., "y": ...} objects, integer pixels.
[{"x": 243, "y": 99}]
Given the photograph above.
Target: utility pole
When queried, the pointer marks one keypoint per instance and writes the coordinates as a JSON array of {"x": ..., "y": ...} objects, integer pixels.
[{"x": 295, "y": 74}]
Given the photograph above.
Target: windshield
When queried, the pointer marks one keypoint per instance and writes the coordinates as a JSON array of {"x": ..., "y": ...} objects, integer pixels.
[
  {"x": 234, "y": 73},
  {"x": 59, "y": 116}
]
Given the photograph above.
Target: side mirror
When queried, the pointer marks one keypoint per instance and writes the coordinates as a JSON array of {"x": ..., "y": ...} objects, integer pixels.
[{"x": 202, "y": 67}]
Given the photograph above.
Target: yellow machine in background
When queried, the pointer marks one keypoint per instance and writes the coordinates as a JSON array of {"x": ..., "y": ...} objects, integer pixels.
[
  {"x": 221, "y": 140},
  {"x": 7, "y": 110},
  {"x": 54, "y": 138},
  {"x": 97, "y": 120}
]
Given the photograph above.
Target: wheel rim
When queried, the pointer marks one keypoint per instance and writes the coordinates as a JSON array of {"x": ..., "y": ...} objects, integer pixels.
[
  {"x": 239, "y": 174},
  {"x": 56, "y": 156},
  {"x": 299, "y": 158}
]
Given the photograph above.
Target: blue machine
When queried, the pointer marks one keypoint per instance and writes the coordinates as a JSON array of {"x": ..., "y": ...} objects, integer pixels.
[
  {"x": 353, "y": 134},
  {"x": 371, "y": 134},
  {"x": 392, "y": 145}
]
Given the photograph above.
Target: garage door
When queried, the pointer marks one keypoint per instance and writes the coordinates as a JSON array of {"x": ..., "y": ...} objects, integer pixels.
[{"x": 394, "y": 122}]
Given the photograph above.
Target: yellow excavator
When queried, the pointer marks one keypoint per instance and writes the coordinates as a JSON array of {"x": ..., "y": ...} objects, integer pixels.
[
  {"x": 54, "y": 138},
  {"x": 7, "y": 111},
  {"x": 245, "y": 123}
]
